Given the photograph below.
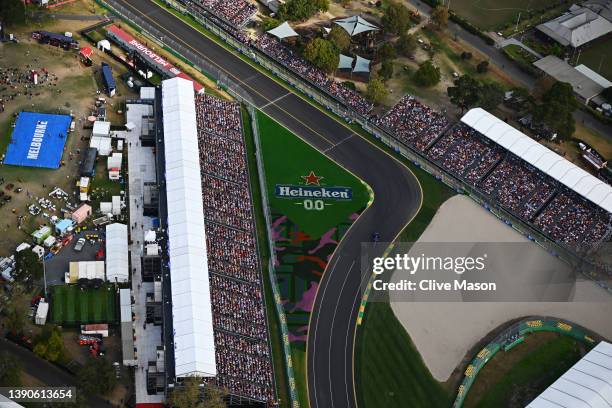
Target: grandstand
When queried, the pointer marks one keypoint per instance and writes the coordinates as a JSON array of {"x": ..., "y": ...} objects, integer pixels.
[{"x": 215, "y": 326}]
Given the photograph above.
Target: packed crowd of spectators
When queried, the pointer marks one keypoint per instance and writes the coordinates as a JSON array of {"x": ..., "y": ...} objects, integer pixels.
[
  {"x": 235, "y": 12},
  {"x": 273, "y": 48},
  {"x": 517, "y": 186},
  {"x": 244, "y": 365},
  {"x": 414, "y": 123}
]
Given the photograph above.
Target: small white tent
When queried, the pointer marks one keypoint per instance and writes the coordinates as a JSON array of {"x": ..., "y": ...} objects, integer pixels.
[
  {"x": 356, "y": 25},
  {"x": 361, "y": 65},
  {"x": 345, "y": 62},
  {"x": 283, "y": 31}
]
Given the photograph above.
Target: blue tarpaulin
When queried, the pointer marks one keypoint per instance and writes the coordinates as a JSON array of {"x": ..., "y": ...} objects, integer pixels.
[{"x": 38, "y": 140}]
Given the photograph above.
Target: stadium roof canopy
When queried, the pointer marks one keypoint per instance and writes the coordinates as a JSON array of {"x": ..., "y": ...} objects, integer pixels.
[
  {"x": 345, "y": 62},
  {"x": 283, "y": 31},
  {"x": 194, "y": 347},
  {"x": 356, "y": 25},
  {"x": 544, "y": 159},
  {"x": 361, "y": 65},
  {"x": 577, "y": 27},
  {"x": 117, "y": 266},
  {"x": 587, "y": 384}
]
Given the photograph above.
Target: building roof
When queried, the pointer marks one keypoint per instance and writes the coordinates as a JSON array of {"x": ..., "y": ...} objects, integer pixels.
[
  {"x": 283, "y": 31},
  {"x": 544, "y": 159},
  {"x": 345, "y": 62},
  {"x": 194, "y": 347},
  {"x": 577, "y": 27},
  {"x": 361, "y": 65},
  {"x": 356, "y": 25},
  {"x": 564, "y": 72},
  {"x": 593, "y": 76},
  {"x": 64, "y": 224},
  {"x": 117, "y": 266},
  {"x": 587, "y": 384},
  {"x": 101, "y": 128}
]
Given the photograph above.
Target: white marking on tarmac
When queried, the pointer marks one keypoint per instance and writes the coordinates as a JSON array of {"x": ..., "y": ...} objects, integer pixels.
[{"x": 274, "y": 101}]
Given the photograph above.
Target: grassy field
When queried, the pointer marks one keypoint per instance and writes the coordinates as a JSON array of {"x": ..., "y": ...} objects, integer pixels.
[
  {"x": 598, "y": 58},
  {"x": 72, "y": 305},
  {"x": 493, "y": 14},
  {"x": 521, "y": 381}
]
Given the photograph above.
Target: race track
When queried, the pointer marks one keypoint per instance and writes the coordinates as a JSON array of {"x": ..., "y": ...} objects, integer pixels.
[{"x": 397, "y": 199}]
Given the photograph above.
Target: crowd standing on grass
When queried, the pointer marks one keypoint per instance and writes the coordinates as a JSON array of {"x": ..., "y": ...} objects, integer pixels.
[
  {"x": 16, "y": 82},
  {"x": 241, "y": 337}
]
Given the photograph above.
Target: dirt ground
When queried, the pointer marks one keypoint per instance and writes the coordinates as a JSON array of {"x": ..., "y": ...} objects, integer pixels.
[
  {"x": 70, "y": 89},
  {"x": 444, "y": 332}
]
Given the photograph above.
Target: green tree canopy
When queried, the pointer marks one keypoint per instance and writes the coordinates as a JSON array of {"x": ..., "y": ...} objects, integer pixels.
[
  {"x": 97, "y": 376},
  {"x": 427, "y": 75},
  {"x": 376, "y": 91},
  {"x": 482, "y": 67},
  {"x": 490, "y": 95},
  {"x": 439, "y": 17},
  {"x": 340, "y": 38},
  {"x": 555, "y": 111},
  {"x": 49, "y": 344},
  {"x": 301, "y": 9},
  {"x": 12, "y": 12},
  {"x": 17, "y": 309},
  {"x": 323, "y": 54},
  {"x": 407, "y": 44},
  {"x": 28, "y": 268},
  {"x": 396, "y": 18},
  {"x": 269, "y": 23},
  {"x": 190, "y": 395},
  {"x": 10, "y": 370},
  {"x": 465, "y": 93},
  {"x": 387, "y": 52},
  {"x": 386, "y": 70}
]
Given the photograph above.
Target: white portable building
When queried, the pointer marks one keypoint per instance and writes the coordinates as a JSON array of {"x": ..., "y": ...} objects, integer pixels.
[{"x": 117, "y": 266}]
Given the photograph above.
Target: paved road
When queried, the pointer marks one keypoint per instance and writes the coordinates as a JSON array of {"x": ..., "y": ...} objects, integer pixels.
[
  {"x": 46, "y": 372},
  {"x": 397, "y": 198}
]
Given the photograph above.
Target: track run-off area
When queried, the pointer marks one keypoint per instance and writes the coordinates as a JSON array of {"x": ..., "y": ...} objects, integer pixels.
[{"x": 397, "y": 199}]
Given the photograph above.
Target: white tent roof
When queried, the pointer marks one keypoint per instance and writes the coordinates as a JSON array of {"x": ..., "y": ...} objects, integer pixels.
[
  {"x": 345, "y": 62},
  {"x": 355, "y": 25},
  {"x": 194, "y": 347},
  {"x": 125, "y": 304},
  {"x": 117, "y": 266},
  {"x": 544, "y": 159},
  {"x": 361, "y": 65},
  {"x": 283, "y": 31},
  {"x": 587, "y": 384}
]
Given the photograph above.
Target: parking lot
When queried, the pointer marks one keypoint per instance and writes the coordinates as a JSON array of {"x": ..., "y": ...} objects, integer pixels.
[{"x": 56, "y": 267}]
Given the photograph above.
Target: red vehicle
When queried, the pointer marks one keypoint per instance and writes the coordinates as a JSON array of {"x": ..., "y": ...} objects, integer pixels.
[
  {"x": 67, "y": 240},
  {"x": 89, "y": 339},
  {"x": 100, "y": 254}
]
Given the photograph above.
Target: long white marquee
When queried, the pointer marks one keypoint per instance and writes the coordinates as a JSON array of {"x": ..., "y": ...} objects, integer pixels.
[
  {"x": 544, "y": 159},
  {"x": 194, "y": 346}
]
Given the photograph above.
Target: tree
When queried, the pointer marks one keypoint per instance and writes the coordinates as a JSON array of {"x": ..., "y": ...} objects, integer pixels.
[
  {"x": 556, "y": 109},
  {"x": 339, "y": 37},
  {"x": 323, "y": 54},
  {"x": 97, "y": 376},
  {"x": 12, "y": 12},
  {"x": 268, "y": 23},
  {"x": 387, "y": 52},
  {"x": 396, "y": 18},
  {"x": 465, "y": 93},
  {"x": 17, "y": 310},
  {"x": 301, "y": 9},
  {"x": 386, "y": 70},
  {"x": 439, "y": 17},
  {"x": 376, "y": 91},
  {"x": 28, "y": 268},
  {"x": 49, "y": 344},
  {"x": 189, "y": 395},
  {"x": 427, "y": 74},
  {"x": 466, "y": 55},
  {"x": 407, "y": 44},
  {"x": 490, "y": 95},
  {"x": 10, "y": 370},
  {"x": 482, "y": 67}
]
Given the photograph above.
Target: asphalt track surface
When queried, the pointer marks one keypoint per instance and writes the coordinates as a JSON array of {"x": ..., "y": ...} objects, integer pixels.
[{"x": 397, "y": 199}]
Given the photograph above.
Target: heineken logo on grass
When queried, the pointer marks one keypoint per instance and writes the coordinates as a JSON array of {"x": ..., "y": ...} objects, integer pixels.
[{"x": 311, "y": 189}]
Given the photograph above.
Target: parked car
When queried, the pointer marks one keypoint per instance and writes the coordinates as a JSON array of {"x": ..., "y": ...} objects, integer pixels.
[{"x": 78, "y": 247}]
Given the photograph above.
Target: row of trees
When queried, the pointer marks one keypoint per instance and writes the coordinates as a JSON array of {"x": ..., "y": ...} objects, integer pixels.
[
  {"x": 469, "y": 92},
  {"x": 295, "y": 10},
  {"x": 12, "y": 12}
]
